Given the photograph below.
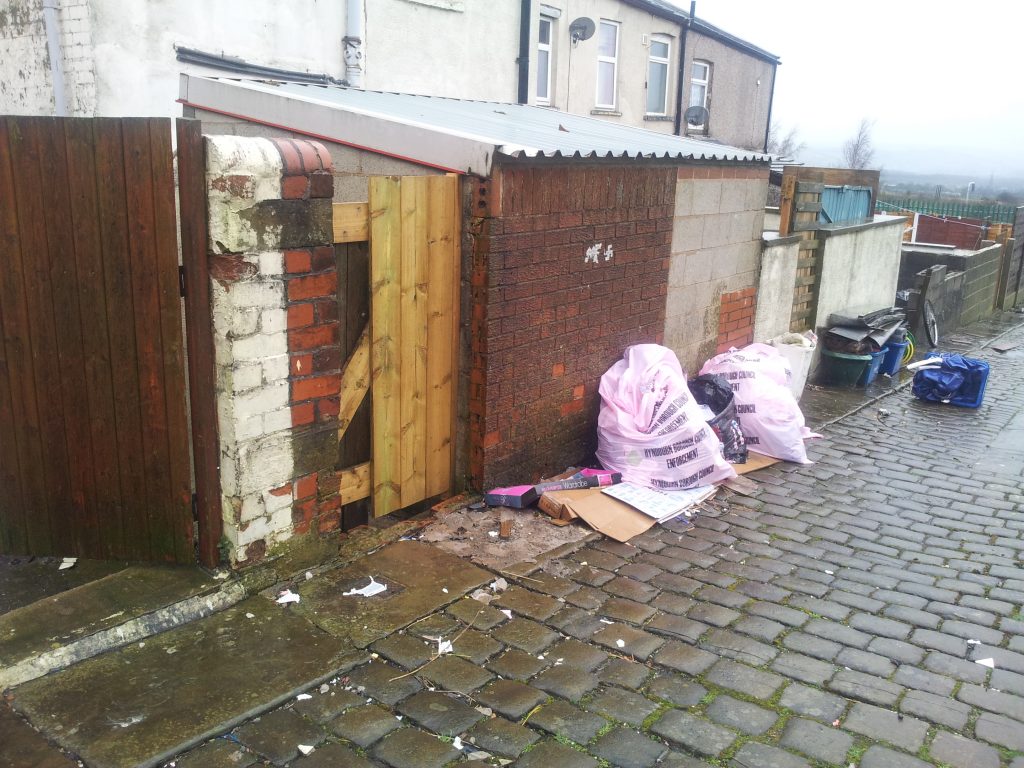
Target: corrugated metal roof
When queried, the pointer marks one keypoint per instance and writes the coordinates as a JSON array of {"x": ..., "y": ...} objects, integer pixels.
[{"x": 454, "y": 134}]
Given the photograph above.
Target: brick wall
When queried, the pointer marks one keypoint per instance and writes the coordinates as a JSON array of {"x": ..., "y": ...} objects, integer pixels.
[
  {"x": 716, "y": 250},
  {"x": 569, "y": 266},
  {"x": 962, "y": 233},
  {"x": 278, "y": 356},
  {"x": 736, "y": 319}
]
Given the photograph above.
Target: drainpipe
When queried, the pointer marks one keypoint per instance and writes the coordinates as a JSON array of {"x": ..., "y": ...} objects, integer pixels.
[
  {"x": 771, "y": 100},
  {"x": 51, "y": 20},
  {"x": 355, "y": 31},
  {"x": 524, "y": 51},
  {"x": 683, "y": 29}
]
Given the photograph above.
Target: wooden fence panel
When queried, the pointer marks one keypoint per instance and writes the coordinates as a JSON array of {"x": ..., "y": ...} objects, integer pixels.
[
  {"x": 92, "y": 399},
  {"x": 414, "y": 239}
]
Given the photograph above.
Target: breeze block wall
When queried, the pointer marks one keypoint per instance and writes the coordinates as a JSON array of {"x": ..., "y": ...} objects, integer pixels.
[
  {"x": 273, "y": 289},
  {"x": 716, "y": 250},
  {"x": 569, "y": 267}
]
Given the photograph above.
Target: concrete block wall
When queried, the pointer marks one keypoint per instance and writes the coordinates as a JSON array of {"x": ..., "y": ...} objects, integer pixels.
[
  {"x": 775, "y": 287},
  {"x": 981, "y": 281},
  {"x": 275, "y": 308},
  {"x": 718, "y": 220},
  {"x": 569, "y": 266}
]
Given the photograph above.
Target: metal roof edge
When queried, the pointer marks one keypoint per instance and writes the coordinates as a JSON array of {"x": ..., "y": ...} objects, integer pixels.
[{"x": 371, "y": 132}]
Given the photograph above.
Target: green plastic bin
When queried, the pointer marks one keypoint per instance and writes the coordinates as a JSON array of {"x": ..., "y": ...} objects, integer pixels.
[{"x": 842, "y": 369}]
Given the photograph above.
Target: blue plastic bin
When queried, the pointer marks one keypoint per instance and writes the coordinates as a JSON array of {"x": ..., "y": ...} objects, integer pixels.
[
  {"x": 871, "y": 370},
  {"x": 893, "y": 359}
]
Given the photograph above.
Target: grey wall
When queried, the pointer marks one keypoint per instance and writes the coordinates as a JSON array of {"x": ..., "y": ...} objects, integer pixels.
[
  {"x": 775, "y": 287},
  {"x": 981, "y": 275},
  {"x": 716, "y": 249}
]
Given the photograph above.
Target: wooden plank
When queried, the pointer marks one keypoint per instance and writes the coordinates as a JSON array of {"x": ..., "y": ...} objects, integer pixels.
[
  {"x": 355, "y": 383},
  {"x": 199, "y": 329},
  {"x": 809, "y": 263},
  {"x": 148, "y": 343},
  {"x": 385, "y": 340},
  {"x": 786, "y": 204},
  {"x": 355, "y": 483},
  {"x": 808, "y": 206},
  {"x": 92, "y": 303},
  {"x": 809, "y": 188},
  {"x": 351, "y": 222},
  {"x": 413, "y": 299},
  {"x": 442, "y": 331},
  {"x": 178, "y": 504},
  {"x": 80, "y": 518},
  {"x": 807, "y": 280},
  {"x": 117, "y": 281},
  {"x": 46, "y": 533},
  {"x": 20, "y": 464}
]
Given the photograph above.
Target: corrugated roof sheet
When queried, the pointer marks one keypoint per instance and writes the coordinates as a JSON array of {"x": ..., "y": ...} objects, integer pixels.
[{"x": 514, "y": 130}]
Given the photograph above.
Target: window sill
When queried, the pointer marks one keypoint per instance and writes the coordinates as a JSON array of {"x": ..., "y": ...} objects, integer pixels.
[
  {"x": 606, "y": 112},
  {"x": 658, "y": 118}
]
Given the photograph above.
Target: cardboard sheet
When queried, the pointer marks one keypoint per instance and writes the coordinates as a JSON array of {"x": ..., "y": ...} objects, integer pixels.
[
  {"x": 602, "y": 513},
  {"x": 755, "y": 461}
]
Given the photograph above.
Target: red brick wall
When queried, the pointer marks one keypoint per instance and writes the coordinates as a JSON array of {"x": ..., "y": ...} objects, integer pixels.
[
  {"x": 963, "y": 233},
  {"x": 547, "y": 321},
  {"x": 736, "y": 319}
]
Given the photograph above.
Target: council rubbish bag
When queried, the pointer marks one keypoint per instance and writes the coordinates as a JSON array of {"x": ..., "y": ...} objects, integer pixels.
[
  {"x": 772, "y": 422},
  {"x": 716, "y": 394},
  {"x": 651, "y": 429}
]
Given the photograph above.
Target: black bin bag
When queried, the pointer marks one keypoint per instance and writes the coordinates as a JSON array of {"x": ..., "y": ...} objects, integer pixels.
[{"x": 714, "y": 391}]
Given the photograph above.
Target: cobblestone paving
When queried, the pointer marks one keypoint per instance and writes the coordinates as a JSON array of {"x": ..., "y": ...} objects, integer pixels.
[{"x": 835, "y": 619}]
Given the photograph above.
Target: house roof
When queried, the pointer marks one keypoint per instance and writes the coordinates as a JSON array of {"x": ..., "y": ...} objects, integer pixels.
[
  {"x": 450, "y": 134},
  {"x": 667, "y": 10}
]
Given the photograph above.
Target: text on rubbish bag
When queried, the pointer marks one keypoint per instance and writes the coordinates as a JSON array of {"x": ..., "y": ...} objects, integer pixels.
[
  {"x": 682, "y": 445},
  {"x": 685, "y": 482}
]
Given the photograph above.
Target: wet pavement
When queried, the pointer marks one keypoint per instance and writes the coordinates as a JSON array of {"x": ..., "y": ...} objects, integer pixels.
[{"x": 864, "y": 610}]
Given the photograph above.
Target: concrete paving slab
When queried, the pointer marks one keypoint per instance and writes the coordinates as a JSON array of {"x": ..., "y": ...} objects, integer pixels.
[
  {"x": 416, "y": 576},
  {"x": 139, "y": 706},
  {"x": 21, "y": 746},
  {"x": 24, "y": 579}
]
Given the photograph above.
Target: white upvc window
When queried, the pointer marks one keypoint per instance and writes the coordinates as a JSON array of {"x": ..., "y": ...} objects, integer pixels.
[
  {"x": 544, "y": 60},
  {"x": 700, "y": 81},
  {"x": 657, "y": 76},
  {"x": 607, "y": 64}
]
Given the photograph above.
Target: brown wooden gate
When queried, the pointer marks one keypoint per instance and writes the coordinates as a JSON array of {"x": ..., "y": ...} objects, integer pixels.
[
  {"x": 405, "y": 357},
  {"x": 94, "y": 456}
]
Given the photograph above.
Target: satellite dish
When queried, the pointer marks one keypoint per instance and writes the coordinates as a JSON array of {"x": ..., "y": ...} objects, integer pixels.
[
  {"x": 581, "y": 29},
  {"x": 696, "y": 116}
]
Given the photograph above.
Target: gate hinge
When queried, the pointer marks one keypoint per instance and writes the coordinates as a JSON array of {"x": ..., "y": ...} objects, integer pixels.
[{"x": 181, "y": 282}]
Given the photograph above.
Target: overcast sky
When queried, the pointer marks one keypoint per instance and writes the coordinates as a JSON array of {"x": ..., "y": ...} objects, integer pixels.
[{"x": 943, "y": 81}]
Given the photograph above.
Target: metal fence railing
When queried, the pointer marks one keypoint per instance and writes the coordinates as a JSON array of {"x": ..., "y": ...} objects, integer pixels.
[{"x": 994, "y": 212}]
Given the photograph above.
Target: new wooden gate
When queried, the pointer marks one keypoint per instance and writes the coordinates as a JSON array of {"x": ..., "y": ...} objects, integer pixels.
[
  {"x": 406, "y": 357},
  {"x": 94, "y": 456}
]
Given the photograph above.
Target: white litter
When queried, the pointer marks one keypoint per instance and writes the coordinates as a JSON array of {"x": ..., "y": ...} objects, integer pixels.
[
  {"x": 507, "y": 612},
  {"x": 990, "y": 663},
  {"x": 398, "y": 717},
  {"x": 444, "y": 646},
  {"x": 250, "y": 615},
  {"x": 478, "y": 755},
  {"x": 371, "y": 589},
  {"x": 830, "y": 573},
  {"x": 482, "y": 596},
  {"x": 288, "y": 597},
  {"x": 974, "y": 642},
  {"x": 67, "y": 562},
  {"x": 457, "y": 743},
  {"x": 605, "y": 621},
  {"x": 493, "y": 534},
  {"x": 584, "y": 562},
  {"x": 172, "y": 650},
  {"x": 325, "y": 688},
  {"x": 305, "y": 748},
  {"x": 303, "y": 697},
  {"x": 620, "y": 643},
  {"x": 221, "y": 575},
  {"x": 309, "y": 575},
  {"x": 499, "y": 585},
  {"x": 445, "y": 590},
  {"x": 485, "y": 711},
  {"x": 541, "y": 657}
]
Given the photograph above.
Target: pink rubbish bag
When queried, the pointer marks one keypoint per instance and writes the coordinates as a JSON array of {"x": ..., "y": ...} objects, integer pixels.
[
  {"x": 769, "y": 414},
  {"x": 651, "y": 429}
]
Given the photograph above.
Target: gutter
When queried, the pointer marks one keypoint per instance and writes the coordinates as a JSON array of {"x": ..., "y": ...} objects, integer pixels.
[
  {"x": 234, "y": 64},
  {"x": 524, "y": 51},
  {"x": 51, "y": 20},
  {"x": 684, "y": 27}
]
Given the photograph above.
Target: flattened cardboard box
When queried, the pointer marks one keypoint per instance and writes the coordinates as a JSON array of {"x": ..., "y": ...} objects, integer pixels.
[{"x": 598, "y": 510}]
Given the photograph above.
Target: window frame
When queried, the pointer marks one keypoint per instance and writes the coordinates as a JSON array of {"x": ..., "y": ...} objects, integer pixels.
[
  {"x": 614, "y": 61},
  {"x": 549, "y": 48},
  {"x": 706, "y": 83},
  {"x": 660, "y": 61}
]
